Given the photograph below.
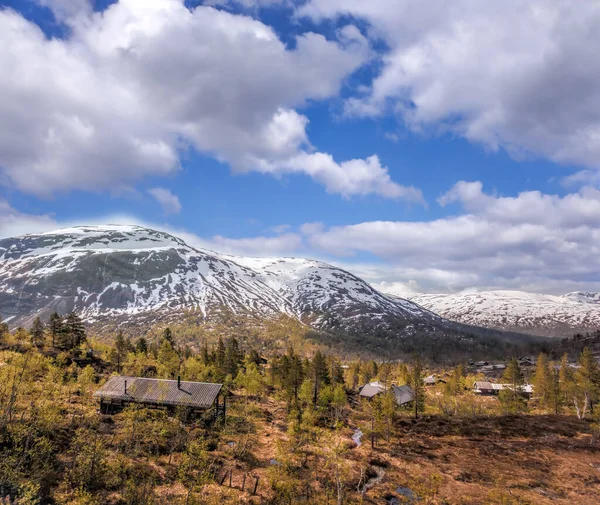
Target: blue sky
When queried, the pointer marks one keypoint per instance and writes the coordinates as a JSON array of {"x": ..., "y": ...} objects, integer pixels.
[{"x": 250, "y": 127}]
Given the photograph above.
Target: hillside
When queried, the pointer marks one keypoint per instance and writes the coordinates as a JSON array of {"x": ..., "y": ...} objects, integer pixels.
[
  {"x": 130, "y": 273},
  {"x": 536, "y": 314}
]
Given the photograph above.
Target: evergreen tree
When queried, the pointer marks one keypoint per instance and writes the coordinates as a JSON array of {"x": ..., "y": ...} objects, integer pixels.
[
  {"x": 37, "y": 333},
  {"x": 415, "y": 381},
  {"x": 55, "y": 326},
  {"x": 120, "y": 350},
  {"x": 319, "y": 374},
  {"x": 141, "y": 346},
  {"x": 205, "y": 356},
  {"x": 72, "y": 333},
  {"x": 232, "y": 357},
  {"x": 220, "y": 355},
  {"x": 168, "y": 336},
  {"x": 292, "y": 374}
]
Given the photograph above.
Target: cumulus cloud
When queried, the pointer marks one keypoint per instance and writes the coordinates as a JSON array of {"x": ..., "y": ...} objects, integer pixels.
[
  {"x": 518, "y": 74},
  {"x": 134, "y": 86},
  {"x": 531, "y": 240},
  {"x": 167, "y": 200}
]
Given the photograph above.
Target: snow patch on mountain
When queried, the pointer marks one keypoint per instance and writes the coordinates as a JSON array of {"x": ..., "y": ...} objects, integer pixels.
[
  {"x": 520, "y": 311},
  {"x": 123, "y": 271}
]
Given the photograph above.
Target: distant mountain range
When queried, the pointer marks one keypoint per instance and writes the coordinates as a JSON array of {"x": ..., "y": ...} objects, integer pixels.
[
  {"x": 518, "y": 311},
  {"x": 131, "y": 273}
]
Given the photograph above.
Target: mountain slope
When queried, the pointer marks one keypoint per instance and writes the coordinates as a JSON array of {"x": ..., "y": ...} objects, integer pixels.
[
  {"x": 518, "y": 311},
  {"x": 130, "y": 273}
]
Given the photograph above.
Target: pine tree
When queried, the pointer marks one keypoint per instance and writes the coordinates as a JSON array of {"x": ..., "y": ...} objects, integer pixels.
[
  {"x": 55, "y": 325},
  {"x": 141, "y": 346},
  {"x": 168, "y": 336},
  {"x": 415, "y": 381},
  {"x": 72, "y": 333},
  {"x": 220, "y": 356},
  {"x": 120, "y": 350},
  {"x": 319, "y": 374},
  {"x": 232, "y": 357},
  {"x": 37, "y": 333},
  {"x": 205, "y": 355}
]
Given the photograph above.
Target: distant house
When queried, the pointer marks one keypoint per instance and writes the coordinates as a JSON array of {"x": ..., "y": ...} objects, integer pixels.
[
  {"x": 371, "y": 390},
  {"x": 197, "y": 397},
  {"x": 526, "y": 361},
  {"x": 432, "y": 380},
  {"x": 493, "y": 388},
  {"x": 403, "y": 394},
  {"x": 479, "y": 364},
  {"x": 486, "y": 388},
  {"x": 492, "y": 368}
]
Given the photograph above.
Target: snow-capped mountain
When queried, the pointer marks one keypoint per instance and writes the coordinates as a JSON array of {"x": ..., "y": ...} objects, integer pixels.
[
  {"x": 519, "y": 311},
  {"x": 130, "y": 273}
]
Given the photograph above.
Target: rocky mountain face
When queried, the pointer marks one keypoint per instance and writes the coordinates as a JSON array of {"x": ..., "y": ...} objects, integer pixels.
[
  {"x": 130, "y": 273},
  {"x": 536, "y": 314}
]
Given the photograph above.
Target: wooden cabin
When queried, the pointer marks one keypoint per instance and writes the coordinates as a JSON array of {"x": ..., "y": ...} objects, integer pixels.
[
  {"x": 402, "y": 394},
  {"x": 199, "y": 398}
]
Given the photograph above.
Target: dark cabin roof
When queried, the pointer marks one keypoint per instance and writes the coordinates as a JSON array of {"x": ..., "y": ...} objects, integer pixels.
[{"x": 159, "y": 391}]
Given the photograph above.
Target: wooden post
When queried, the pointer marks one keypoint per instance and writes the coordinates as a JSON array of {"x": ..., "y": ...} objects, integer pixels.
[
  {"x": 255, "y": 486},
  {"x": 230, "y": 477},
  {"x": 244, "y": 482},
  {"x": 223, "y": 479}
]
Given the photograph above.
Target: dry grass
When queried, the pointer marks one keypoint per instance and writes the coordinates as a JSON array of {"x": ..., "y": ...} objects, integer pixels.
[{"x": 507, "y": 459}]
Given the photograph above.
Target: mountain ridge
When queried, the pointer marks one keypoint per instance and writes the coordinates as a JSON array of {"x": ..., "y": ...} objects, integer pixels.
[
  {"x": 126, "y": 272},
  {"x": 519, "y": 311}
]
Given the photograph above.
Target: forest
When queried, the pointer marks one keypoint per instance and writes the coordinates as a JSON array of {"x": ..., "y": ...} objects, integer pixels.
[{"x": 296, "y": 430}]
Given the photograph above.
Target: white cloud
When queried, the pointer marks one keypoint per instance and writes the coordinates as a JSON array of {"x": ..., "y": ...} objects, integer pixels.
[
  {"x": 311, "y": 228},
  {"x": 517, "y": 74},
  {"x": 284, "y": 244},
  {"x": 14, "y": 223},
  {"x": 280, "y": 228},
  {"x": 167, "y": 200},
  {"x": 533, "y": 240},
  {"x": 134, "y": 86}
]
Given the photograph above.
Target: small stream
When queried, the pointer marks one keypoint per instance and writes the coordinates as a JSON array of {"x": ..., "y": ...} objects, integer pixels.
[
  {"x": 376, "y": 479},
  {"x": 357, "y": 436}
]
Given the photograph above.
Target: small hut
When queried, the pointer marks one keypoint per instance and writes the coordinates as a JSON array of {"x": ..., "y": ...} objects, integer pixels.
[{"x": 198, "y": 398}]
